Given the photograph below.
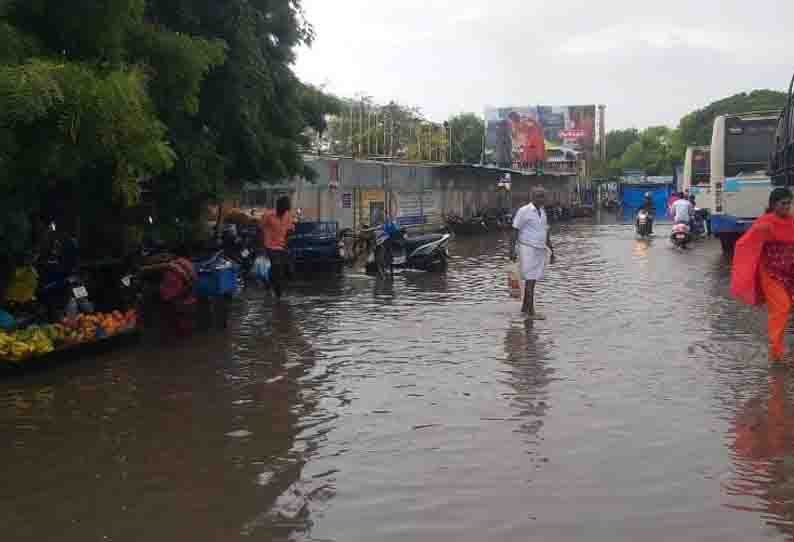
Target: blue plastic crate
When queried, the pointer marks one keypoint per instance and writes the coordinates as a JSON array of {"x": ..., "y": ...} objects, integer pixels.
[{"x": 217, "y": 282}]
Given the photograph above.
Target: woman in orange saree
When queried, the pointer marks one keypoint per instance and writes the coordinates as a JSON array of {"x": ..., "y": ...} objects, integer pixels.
[{"x": 763, "y": 267}]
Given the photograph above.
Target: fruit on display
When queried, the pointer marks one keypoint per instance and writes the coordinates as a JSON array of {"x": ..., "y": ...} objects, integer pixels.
[
  {"x": 39, "y": 340},
  {"x": 32, "y": 341},
  {"x": 89, "y": 327}
]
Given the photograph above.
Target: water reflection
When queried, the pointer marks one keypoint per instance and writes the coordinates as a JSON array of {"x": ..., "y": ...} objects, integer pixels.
[
  {"x": 280, "y": 403},
  {"x": 422, "y": 408},
  {"x": 763, "y": 454},
  {"x": 529, "y": 374}
]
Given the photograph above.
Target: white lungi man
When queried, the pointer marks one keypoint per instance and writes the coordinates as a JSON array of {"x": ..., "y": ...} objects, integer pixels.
[{"x": 531, "y": 240}]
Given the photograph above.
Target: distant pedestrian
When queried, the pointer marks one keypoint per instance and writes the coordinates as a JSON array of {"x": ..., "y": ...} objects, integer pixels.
[
  {"x": 763, "y": 267},
  {"x": 276, "y": 228},
  {"x": 530, "y": 243},
  {"x": 675, "y": 196}
]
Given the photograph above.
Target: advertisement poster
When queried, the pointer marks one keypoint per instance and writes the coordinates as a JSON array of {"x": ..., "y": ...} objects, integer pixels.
[
  {"x": 416, "y": 208},
  {"x": 518, "y": 137}
]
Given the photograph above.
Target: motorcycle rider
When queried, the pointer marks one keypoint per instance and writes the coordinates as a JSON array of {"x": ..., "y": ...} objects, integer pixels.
[
  {"x": 702, "y": 216},
  {"x": 682, "y": 210},
  {"x": 648, "y": 207},
  {"x": 693, "y": 219}
]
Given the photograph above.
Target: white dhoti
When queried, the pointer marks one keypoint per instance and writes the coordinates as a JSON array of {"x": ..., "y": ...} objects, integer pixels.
[{"x": 531, "y": 262}]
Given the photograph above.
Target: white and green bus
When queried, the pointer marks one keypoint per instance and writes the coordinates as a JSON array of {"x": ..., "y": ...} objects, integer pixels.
[{"x": 740, "y": 185}]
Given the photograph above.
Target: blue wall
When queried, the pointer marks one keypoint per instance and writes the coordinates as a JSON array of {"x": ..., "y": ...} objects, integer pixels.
[{"x": 634, "y": 195}]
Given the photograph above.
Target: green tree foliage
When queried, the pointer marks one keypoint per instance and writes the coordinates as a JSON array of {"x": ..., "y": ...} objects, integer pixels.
[
  {"x": 366, "y": 129},
  {"x": 78, "y": 120},
  {"x": 656, "y": 150},
  {"x": 467, "y": 133},
  {"x": 251, "y": 105},
  {"x": 652, "y": 152},
  {"x": 619, "y": 140},
  {"x": 316, "y": 106},
  {"x": 363, "y": 128},
  {"x": 696, "y": 127},
  {"x": 98, "y": 99}
]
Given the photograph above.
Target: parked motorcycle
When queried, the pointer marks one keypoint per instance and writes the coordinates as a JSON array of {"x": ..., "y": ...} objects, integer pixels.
[
  {"x": 62, "y": 290},
  {"x": 644, "y": 223},
  {"x": 137, "y": 287},
  {"x": 240, "y": 249},
  {"x": 471, "y": 226},
  {"x": 398, "y": 249},
  {"x": 497, "y": 219},
  {"x": 681, "y": 235}
]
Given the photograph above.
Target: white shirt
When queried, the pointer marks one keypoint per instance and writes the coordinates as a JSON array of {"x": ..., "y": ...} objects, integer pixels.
[
  {"x": 682, "y": 210},
  {"x": 532, "y": 226}
]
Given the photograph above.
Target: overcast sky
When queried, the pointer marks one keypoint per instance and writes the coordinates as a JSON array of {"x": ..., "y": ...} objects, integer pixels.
[{"x": 649, "y": 62}]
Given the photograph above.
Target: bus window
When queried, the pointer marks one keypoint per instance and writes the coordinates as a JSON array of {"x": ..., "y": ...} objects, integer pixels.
[
  {"x": 748, "y": 143},
  {"x": 701, "y": 167}
]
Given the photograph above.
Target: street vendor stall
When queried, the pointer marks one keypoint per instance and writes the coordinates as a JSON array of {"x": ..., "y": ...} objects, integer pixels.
[{"x": 23, "y": 345}]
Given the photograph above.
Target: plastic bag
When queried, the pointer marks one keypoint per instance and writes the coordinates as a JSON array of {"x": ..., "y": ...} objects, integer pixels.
[
  {"x": 23, "y": 285},
  {"x": 514, "y": 282},
  {"x": 7, "y": 321},
  {"x": 262, "y": 268}
]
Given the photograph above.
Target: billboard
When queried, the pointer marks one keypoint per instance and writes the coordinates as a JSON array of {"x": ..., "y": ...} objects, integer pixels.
[{"x": 517, "y": 137}]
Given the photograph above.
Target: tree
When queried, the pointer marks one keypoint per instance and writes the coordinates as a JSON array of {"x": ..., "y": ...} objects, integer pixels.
[
  {"x": 619, "y": 140},
  {"x": 467, "y": 132},
  {"x": 652, "y": 152},
  {"x": 364, "y": 128},
  {"x": 316, "y": 106},
  {"x": 88, "y": 94},
  {"x": 189, "y": 97},
  {"x": 696, "y": 126},
  {"x": 251, "y": 105}
]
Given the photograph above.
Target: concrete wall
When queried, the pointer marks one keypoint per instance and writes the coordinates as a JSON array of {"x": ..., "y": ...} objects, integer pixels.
[{"x": 412, "y": 192}]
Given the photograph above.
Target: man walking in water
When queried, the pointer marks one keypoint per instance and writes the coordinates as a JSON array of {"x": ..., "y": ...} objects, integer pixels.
[{"x": 531, "y": 239}]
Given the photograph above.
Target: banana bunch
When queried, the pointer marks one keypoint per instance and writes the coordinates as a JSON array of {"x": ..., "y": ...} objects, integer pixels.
[{"x": 20, "y": 345}]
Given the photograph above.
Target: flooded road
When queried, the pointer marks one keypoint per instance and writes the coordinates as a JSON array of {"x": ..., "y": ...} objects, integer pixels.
[{"x": 426, "y": 409}]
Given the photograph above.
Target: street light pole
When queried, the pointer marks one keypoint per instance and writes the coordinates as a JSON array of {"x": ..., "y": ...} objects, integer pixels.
[{"x": 451, "y": 145}]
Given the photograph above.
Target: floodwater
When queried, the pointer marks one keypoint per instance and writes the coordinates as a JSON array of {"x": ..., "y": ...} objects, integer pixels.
[{"x": 426, "y": 409}]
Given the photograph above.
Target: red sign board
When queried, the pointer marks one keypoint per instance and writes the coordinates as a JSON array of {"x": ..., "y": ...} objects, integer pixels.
[{"x": 572, "y": 134}]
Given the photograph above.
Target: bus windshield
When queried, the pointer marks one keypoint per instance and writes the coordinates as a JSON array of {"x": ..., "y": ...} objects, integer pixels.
[{"x": 748, "y": 143}]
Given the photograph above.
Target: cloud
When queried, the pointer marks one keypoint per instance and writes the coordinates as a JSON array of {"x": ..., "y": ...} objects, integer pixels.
[
  {"x": 470, "y": 14},
  {"x": 625, "y": 38},
  {"x": 649, "y": 63}
]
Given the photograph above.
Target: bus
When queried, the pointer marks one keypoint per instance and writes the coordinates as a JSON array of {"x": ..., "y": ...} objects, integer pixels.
[
  {"x": 740, "y": 183},
  {"x": 697, "y": 176},
  {"x": 781, "y": 165}
]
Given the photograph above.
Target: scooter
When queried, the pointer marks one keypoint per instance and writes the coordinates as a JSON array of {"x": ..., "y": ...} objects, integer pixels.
[
  {"x": 424, "y": 252},
  {"x": 242, "y": 252},
  {"x": 61, "y": 288},
  {"x": 681, "y": 235},
  {"x": 699, "y": 223},
  {"x": 644, "y": 223}
]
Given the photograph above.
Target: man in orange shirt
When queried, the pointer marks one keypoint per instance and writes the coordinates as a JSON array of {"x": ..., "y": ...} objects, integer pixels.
[{"x": 276, "y": 228}]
